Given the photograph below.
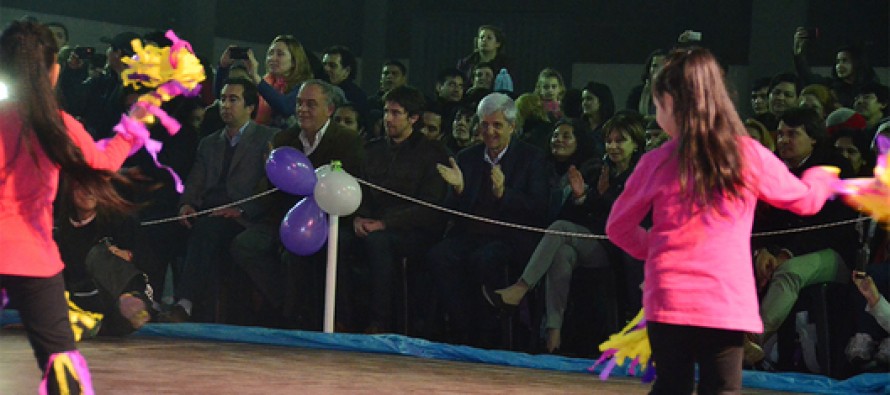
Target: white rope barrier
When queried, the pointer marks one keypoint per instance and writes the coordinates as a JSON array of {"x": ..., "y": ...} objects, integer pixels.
[{"x": 489, "y": 220}]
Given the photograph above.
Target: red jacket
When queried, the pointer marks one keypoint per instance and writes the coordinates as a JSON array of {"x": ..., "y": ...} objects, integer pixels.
[{"x": 27, "y": 190}]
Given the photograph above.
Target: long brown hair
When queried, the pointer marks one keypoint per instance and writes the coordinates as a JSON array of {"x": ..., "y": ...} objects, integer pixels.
[
  {"x": 711, "y": 165},
  {"x": 302, "y": 70},
  {"x": 27, "y": 55}
]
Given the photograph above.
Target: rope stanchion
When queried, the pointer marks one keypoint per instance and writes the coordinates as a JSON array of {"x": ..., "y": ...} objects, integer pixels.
[{"x": 489, "y": 220}]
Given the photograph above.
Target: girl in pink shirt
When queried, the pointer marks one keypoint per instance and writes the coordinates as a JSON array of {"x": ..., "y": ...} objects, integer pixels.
[
  {"x": 701, "y": 188},
  {"x": 37, "y": 143}
]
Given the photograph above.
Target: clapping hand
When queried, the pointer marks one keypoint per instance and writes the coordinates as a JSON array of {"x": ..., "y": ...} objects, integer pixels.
[
  {"x": 497, "y": 181},
  {"x": 452, "y": 175},
  {"x": 602, "y": 185},
  {"x": 576, "y": 181}
]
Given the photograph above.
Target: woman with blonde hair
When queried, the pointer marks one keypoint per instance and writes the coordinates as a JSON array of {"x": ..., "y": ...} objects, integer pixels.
[
  {"x": 532, "y": 124},
  {"x": 758, "y": 131},
  {"x": 287, "y": 66},
  {"x": 818, "y": 98}
]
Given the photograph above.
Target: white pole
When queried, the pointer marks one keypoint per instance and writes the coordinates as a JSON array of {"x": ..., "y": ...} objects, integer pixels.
[{"x": 330, "y": 290}]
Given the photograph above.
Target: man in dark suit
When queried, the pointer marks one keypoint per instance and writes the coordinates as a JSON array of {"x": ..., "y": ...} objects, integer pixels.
[
  {"x": 228, "y": 166},
  {"x": 258, "y": 251},
  {"x": 501, "y": 179},
  {"x": 387, "y": 228}
]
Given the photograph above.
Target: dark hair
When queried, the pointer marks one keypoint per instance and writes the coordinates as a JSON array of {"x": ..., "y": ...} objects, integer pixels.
[
  {"x": 785, "y": 77},
  {"x": 347, "y": 59},
  {"x": 408, "y": 97},
  {"x": 60, "y": 26},
  {"x": 881, "y": 92},
  {"x": 862, "y": 71},
  {"x": 359, "y": 119},
  {"x": 400, "y": 65},
  {"x": 498, "y": 35},
  {"x": 27, "y": 55},
  {"x": 251, "y": 97},
  {"x": 631, "y": 125},
  {"x": 649, "y": 59},
  {"x": 710, "y": 162},
  {"x": 604, "y": 94},
  {"x": 570, "y": 105},
  {"x": 762, "y": 82},
  {"x": 585, "y": 144},
  {"x": 813, "y": 125},
  {"x": 450, "y": 72}
]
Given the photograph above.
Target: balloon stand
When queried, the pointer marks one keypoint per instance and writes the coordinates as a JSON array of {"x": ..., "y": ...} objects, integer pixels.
[{"x": 330, "y": 289}]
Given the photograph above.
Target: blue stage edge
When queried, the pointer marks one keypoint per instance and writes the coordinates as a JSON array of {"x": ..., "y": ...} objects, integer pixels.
[{"x": 870, "y": 383}]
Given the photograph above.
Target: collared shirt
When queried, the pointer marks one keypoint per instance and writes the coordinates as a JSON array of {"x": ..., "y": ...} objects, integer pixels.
[
  {"x": 309, "y": 148},
  {"x": 233, "y": 141},
  {"x": 496, "y": 160}
]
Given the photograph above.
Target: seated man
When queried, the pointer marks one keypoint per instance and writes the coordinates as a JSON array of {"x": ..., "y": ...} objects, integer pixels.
[
  {"x": 387, "y": 228},
  {"x": 504, "y": 180},
  {"x": 258, "y": 249},
  {"x": 785, "y": 263},
  {"x": 228, "y": 167}
]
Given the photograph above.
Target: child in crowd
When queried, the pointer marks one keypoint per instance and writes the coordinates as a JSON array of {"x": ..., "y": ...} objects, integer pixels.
[{"x": 702, "y": 187}]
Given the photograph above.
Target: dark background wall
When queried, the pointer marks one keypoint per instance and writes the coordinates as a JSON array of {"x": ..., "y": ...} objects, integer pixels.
[{"x": 432, "y": 34}]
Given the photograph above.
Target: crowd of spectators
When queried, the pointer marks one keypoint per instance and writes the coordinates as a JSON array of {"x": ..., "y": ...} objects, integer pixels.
[{"x": 551, "y": 157}]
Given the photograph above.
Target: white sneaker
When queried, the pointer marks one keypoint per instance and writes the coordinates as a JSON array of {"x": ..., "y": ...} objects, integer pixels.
[
  {"x": 861, "y": 347},
  {"x": 806, "y": 333},
  {"x": 883, "y": 354}
]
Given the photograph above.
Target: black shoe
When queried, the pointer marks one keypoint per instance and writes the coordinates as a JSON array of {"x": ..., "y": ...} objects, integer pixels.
[
  {"x": 497, "y": 301},
  {"x": 176, "y": 315}
]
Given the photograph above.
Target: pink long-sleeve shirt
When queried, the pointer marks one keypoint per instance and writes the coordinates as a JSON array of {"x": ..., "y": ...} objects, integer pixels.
[
  {"x": 698, "y": 269},
  {"x": 27, "y": 191}
]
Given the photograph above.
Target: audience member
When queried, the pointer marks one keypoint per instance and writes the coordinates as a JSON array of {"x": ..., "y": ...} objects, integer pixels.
[
  {"x": 851, "y": 69},
  {"x": 640, "y": 97},
  {"x": 96, "y": 244},
  {"x": 785, "y": 263},
  {"x": 393, "y": 75},
  {"x": 341, "y": 68},
  {"x": 287, "y": 66},
  {"x": 759, "y": 132},
  {"x": 489, "y": 46},
  {"x": 284, "y": 280},
  {"x": 855, "y": 146},
  {"x": 551, "y": 88},
  {"x": 818, "y": 98},
  {"x": 387, "y": 228},
  {"x": 871, "y": 102},
  {"x": 783, "y": 93},
  {"x": 502, "y": 179},
  {"x": 482, "y": 76},
  {"x": 533, "y": 126},
  {"x": 228, "y": 166}
]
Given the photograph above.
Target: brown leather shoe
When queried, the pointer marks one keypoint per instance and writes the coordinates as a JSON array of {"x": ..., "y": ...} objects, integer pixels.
[{"x": 753, "y": 351}]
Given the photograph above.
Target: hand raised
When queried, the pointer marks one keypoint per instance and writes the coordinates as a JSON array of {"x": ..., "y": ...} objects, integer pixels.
[
  {"x": 576, "y": 181},
  {"x": 452, "y": 175}
]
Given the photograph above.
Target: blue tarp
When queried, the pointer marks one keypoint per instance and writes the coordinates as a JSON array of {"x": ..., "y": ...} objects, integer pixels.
[{"x": 870, "y": 383}]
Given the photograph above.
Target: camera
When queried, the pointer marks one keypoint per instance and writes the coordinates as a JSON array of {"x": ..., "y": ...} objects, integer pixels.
[
  {"x": 84, "y": 53},
  {"x": 238, "y": 52}
]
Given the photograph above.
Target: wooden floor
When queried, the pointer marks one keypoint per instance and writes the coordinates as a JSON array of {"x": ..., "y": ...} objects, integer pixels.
[{"x": 147, "y": 365}]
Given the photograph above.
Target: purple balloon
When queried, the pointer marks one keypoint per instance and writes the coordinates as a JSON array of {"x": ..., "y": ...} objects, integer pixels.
[
  {"x": 291, "y": 171},
  {"x": 304, "y": 229}
]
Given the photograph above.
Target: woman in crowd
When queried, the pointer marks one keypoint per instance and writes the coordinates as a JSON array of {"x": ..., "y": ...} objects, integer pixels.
[
  {"x": 818, "y": 98},
  {"x": 851, "y": 69},
  {"x": 758, "y": 132},
  {"x": 551, "y": 88},
  {"x": 585, "y": 198},
  {"x": 287, "y": 66},
  {"x": 37, "y": 143},
  {"x": 701, "y": 188},
  {"x": 489, "y": 46},
  {"x": 532, "y": 124},
  {"x": 640, "y": 97}
]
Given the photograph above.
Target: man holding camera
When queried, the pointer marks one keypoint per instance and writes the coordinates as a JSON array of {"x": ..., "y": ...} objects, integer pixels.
[{"x": 98, "y": 102}]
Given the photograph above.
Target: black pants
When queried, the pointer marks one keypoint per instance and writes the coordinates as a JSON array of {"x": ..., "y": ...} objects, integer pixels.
[
  {"x": 44, "y": 312},
  {"x": 677, "y": 348}
]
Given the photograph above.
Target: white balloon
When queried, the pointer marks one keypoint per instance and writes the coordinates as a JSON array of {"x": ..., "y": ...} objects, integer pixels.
[
  {"x": 337, "y": 192},
  {"x": 322, "y": 170}
]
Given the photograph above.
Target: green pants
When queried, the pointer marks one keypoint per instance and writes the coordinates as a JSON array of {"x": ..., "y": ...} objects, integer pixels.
[{"x": 792, "y": 276}]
